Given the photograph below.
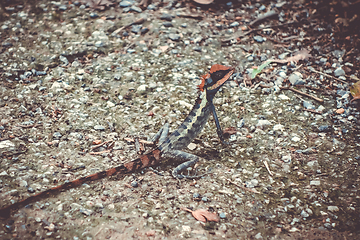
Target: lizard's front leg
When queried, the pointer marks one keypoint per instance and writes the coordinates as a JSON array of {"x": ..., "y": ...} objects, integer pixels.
[
  {"x": 218, "y": 128},
  {"x": 161, "y": 134},
  {"x": 190, "y": 159}
]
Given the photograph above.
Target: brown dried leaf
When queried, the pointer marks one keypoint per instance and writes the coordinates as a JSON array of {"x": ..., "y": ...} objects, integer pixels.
[
  {"x": 300, "y": 55},
  {"x": 203, "y": 1},
  {"x": 355, "y": 91},
  {"x": 230, "y": 130},
  {"x": 203, "y": 215}
]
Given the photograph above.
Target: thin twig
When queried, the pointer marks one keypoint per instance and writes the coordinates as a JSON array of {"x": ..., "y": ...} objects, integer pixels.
[
  {"x": 140, "y": 140},
  {"x": 328, "y": 75},
  {"x": 128, "y": 46},
  {"x": 242, "y": 187},
  {"x": 194, "y": 16},
  {"x": 297, "y": 67},
  {"x": 255, "y": 86},
  {"x": 137, "y": 144},
  {"x": 290, "y": 38},
  {"x": 243, "y": 34},
  {"x": 111, "y": 145},
  {"x": 28, "y": 126},
  {"x": 310, "y": 87},
  {"x": 302, "y": 93},
  {"x": 9, "y": 153},
  {"x": 300, "y": 98},
  {"x": 312, "y": 111},
  {"x": 99, "y": 145},
  {"x": 264, "y": 16},
  {"x": 267, "y": 167},
  {"x": 139, "y": 21},
  {"x": 143, "y": 3},
  {"x": 98, "y": 153}
]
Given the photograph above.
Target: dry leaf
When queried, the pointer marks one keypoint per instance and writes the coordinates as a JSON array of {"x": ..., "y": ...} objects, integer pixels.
[
  {"x": 230, "y": 130},
  {"x": 96, "y": 142},
  {"x": 355, "y": 91},
  {"x": 203, "y": 215},
  {"x": 203, "y": 1},
  {"x": 340, "y": 111},
  {"x": 300, "y": 55}
]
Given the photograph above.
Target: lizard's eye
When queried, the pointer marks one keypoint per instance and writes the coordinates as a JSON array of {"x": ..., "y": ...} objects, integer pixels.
[
  {"x": 218, "y": 75},
  {"x": 209, "y": 81}
]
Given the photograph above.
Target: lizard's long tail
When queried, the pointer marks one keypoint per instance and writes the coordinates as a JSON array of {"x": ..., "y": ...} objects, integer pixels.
[{"x": 144, "y": 161}]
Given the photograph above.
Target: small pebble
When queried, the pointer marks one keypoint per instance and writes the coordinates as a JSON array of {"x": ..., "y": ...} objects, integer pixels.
[
  {"x": 57, "y": 135},
  {"x": 196, "y": 195},
  {"x": 259, "y": 39},
  {"x": 166, "y": 17},
  {"x": 339, "y": 72},
  {"x": 99, "y": 127},
  {"x": 333, "y": 208},
  {"x": 125, "y": 4},
  {"x": 315, "y": 183},
  {"x": 134, "y": 184},
  {"x": 174, "y": 37}
]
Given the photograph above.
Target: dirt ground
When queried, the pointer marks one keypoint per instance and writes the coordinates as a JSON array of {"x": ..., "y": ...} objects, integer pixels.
[{"x": 80, "y": 80}]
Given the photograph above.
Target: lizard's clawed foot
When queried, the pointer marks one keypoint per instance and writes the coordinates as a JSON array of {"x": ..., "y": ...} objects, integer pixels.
[
  {"x": 180, "y": 176},
  {"x": 182, "y": 167}
]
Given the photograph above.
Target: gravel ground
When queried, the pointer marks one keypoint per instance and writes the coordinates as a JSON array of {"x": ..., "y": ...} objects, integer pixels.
[{"x": 70, "y": 79}]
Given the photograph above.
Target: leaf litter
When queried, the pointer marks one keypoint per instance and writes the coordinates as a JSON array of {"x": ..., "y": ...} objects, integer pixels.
[
  {"x": 298, "y": 56},
  {"x": 355, "y": 91},
  {"x": 203, "y": 215}
]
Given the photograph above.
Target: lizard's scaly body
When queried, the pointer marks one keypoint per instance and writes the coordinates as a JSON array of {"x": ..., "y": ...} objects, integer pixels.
[{"x": 169, "y": 147}]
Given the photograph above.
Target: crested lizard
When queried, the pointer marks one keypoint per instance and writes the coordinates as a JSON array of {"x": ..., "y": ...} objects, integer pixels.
[{"x": 168, "y": 146}]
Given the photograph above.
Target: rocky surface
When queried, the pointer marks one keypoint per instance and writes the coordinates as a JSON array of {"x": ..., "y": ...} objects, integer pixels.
[{"x": 73, "y": 77}]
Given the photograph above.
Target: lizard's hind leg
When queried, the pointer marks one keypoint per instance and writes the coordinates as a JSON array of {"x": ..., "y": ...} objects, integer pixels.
[
  {"x": 190, "y": 159},
  {"x": 161, "y": 134}
]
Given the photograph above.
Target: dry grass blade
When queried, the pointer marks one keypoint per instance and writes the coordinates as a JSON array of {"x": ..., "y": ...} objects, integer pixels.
[
  {"x": 267, "y": 167},
  {"x": 131, "y": 140},
  {"x": 302, "y": 93},
  {"x": 244, "y": 188}
]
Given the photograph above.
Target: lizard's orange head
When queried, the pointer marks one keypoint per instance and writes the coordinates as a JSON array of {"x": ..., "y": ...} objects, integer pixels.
[{"x": 217, "y": 76}]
